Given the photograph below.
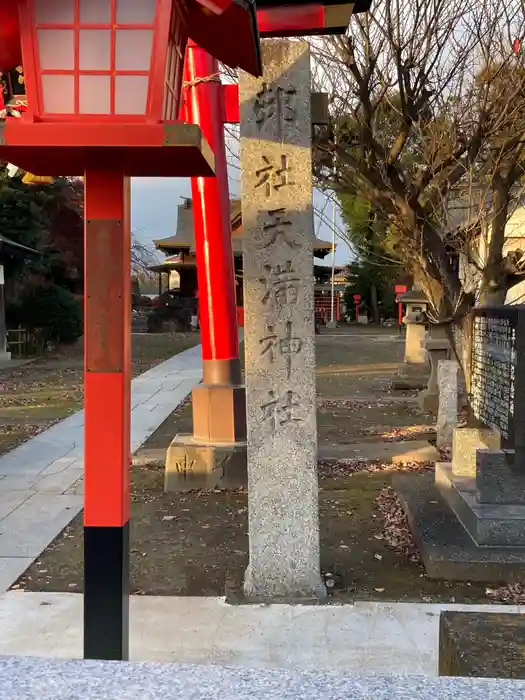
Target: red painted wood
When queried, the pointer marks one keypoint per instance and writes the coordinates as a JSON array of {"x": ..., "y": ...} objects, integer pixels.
[
  {"x": 107, "y": 457},
  {"x": 10, "y": 47},
  {"x": 107, "y": 373},
  {"x": 139, "y": 150},
  {"x": 231, "y": 110},
  {"x": 211, "y": 214},
  {"x": 291, "y": 21}
]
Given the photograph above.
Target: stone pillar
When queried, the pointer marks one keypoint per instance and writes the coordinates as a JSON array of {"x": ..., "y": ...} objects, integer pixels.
[
  {"x": 448, "y": 403},
  {"x": 276, "y": 180},
  {"x": 4, "y": 355},
  {"x": 438, "y": 348}
]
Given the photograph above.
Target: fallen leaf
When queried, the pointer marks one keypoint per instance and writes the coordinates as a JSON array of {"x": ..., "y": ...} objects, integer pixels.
[
  {"x": 378, "y": 557},
  {"x": 379, "y": 590},
  {"x": 169, "y": 517}
]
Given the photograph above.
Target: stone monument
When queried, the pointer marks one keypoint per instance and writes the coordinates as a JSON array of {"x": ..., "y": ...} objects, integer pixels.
[
  {"x": 447, "y": 418},
  {"x": 276, "y": 179},
  {"x": 472, "y": 525}
]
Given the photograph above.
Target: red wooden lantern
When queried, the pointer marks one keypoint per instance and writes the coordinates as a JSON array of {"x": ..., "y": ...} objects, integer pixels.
[
  {"x": 10, "y": 48},
  {"x": 103, "y": 60},
  {"x": 121, "y": 59},
  {"x": 103, "y": 82}
]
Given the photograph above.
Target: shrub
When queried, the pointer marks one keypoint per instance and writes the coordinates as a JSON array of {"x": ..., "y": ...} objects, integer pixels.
[{"x": 52, "y": 309}]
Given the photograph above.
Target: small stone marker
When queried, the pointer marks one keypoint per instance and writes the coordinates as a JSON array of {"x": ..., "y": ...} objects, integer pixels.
[
  {"x": 447, "y": 418},
  {"x": 276, "y": 177},
  {"x": 465, "y": 443}
]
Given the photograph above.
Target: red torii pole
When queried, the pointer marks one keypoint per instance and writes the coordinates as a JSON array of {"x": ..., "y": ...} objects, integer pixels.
[{"x": 218, "y": 414}]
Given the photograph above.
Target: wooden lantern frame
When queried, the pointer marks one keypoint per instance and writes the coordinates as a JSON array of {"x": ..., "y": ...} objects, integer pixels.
[{"x": 170, "y": 36}]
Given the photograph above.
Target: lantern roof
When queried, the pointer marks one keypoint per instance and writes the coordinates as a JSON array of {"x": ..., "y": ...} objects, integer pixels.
[
  {"x": 359, "y": 5},
  {"x": 171, "y": 149},
  {"x": 227, "y": 29}
]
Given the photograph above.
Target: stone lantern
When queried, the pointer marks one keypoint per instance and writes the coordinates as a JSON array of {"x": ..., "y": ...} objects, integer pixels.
[{"x": 416, "y": 304}]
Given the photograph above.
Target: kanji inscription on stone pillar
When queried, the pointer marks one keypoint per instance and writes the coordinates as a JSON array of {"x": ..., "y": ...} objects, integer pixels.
[{"x": 277, "y": 214}]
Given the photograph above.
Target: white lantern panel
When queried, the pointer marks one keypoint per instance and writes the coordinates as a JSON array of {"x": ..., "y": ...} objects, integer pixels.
[
  {"x": 94, "y": 94},
  {"x": 94, "y": 49},
  {"x": 133, "y": 49},
  {"x": 56, "y": 49},
  {"x": 59, "y": 94},
  {"x": 133, "y": 12},
  {"x": 131, "y": 94},
  {"x": 95, "y": 11},
  {"x": 54, "y": 11}
]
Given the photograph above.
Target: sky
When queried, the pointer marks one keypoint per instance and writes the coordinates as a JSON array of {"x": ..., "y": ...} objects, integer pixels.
[{"x": 154, "y": 211}]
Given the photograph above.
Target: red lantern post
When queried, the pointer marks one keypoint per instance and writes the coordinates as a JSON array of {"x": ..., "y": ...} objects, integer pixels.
[
  {"x": 219, "y": 413},
  {"x": 399, "y": 289},
  {"x": 357, "y": 301},
  {"x": 103, "y": 87}
]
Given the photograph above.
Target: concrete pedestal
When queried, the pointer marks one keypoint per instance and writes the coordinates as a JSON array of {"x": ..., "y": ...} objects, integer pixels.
[{"x": 194, "y": 464}]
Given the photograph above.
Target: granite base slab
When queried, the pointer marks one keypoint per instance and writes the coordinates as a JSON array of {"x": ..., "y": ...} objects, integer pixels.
[
  {"x": 447, "y": 550},
  {"x": 481, "y": 645},
  {"x": 44, "y": 679},
  {"x": 487, "y": 523}
]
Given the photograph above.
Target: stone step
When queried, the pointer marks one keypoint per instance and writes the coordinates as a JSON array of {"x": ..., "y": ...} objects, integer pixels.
[
  {"x": 382, "y": 450},
  {"x": 483, "y": 645},
  {"x": 487, "y": 524}
]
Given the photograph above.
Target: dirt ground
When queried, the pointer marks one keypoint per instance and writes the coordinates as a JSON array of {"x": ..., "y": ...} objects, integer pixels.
[
  {"x": 197, "y": 543},
  {"x": 35, "y": 395}
]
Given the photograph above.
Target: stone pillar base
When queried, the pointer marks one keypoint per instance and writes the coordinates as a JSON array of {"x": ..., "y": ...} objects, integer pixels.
[
  {"x": 219, "y": 414},
  {"x": 331, "y": 324},
  {"x": 193, "y": 464},
  {"x": 303, "y": 590},
  {"x": 5, "y": 357}
]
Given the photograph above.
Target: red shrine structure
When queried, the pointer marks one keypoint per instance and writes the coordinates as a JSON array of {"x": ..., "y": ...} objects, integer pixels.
[{"x": 103, "y": 89}]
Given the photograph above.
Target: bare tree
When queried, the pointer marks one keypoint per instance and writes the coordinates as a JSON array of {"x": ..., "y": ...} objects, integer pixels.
[
  {"x": 428, "y": 118},
  {"x": 142, "y": 257}
]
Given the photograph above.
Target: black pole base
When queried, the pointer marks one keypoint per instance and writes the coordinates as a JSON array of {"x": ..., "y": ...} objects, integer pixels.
[{"x": 106, "y": 593}]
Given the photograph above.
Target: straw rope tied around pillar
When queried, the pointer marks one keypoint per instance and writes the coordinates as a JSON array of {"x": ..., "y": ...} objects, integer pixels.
[
  {"x": 188, "y": 84},
  {"x": 214, "y": 78}
]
